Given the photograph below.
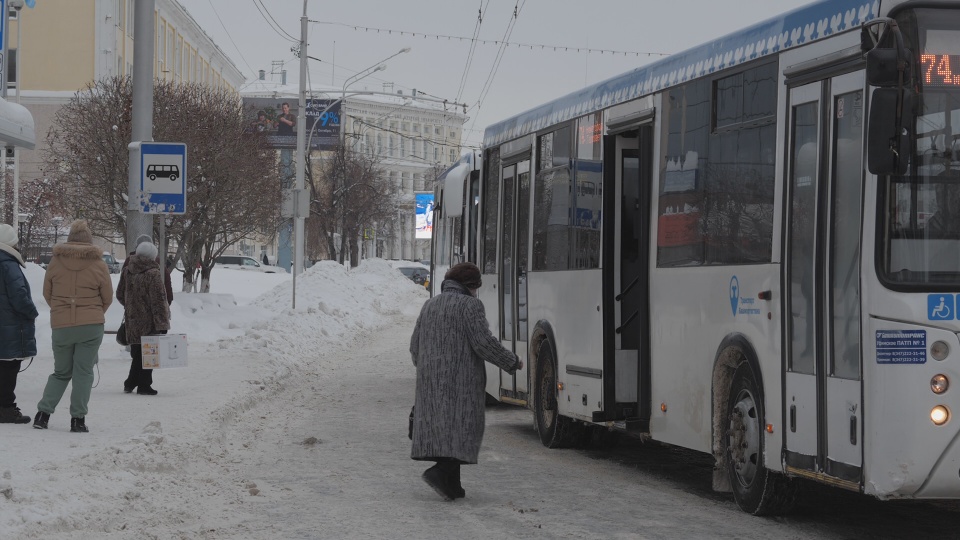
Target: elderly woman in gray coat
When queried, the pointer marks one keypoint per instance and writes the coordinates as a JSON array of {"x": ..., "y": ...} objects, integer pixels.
[{"x": 450, "y": 343}]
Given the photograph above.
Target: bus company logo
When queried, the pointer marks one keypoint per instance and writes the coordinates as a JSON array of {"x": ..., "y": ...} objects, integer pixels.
[
  {"x": 734, "y": 294},
  {"x": 941, "y": 307},
  {"x": 739, "y": 304}
]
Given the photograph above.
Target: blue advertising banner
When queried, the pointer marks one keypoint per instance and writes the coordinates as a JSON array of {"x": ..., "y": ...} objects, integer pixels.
[{"x": 424, "y": 214}]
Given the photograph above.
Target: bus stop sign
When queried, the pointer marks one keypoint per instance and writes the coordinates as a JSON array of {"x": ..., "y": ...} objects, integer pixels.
[{"x": 163, "y": 178}]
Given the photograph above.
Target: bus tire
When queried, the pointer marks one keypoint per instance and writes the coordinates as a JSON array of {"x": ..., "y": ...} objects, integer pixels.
[
  {"x": 757, "y": 490},
  {"x": 555, "y": 431}
]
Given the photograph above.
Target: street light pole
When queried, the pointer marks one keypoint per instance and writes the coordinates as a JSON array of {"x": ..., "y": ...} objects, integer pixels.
[{"x": 298, "y": 236}]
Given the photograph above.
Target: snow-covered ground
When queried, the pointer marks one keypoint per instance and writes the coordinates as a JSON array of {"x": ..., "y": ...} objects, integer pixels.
[{"x": 245, "y": 341}]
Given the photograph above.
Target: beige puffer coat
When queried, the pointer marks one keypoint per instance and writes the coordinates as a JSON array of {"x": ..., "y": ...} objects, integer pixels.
[{"x": 77, "y": 285}]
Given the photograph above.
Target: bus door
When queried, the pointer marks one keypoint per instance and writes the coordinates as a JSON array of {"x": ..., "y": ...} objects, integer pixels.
[
  {"x": 627, "y": 328},
  {"x": 823, "y": 397},
  {"x": 514, "y": 244}
]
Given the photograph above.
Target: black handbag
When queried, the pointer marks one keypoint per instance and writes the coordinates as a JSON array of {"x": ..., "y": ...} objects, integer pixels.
[
  {"x": 410, "y": 428},
  {"x": 122, "y": 333}
]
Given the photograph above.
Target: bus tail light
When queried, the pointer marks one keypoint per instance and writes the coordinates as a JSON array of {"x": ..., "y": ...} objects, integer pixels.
[
  {"x": 939, "y": 384},
  {"x": 939, "y": 415}
]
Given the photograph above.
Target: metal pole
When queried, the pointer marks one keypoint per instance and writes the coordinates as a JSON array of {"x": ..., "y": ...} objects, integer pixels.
[
  {"x": 141, "y": 116},
  {"x": 16, "y": 153},
  {"x": 302, "y": 153}
]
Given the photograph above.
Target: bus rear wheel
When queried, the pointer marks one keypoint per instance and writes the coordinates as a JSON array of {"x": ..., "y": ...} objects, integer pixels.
[
  {"x": 756, "y": 489},
  {"x": 555, "y": 431}
]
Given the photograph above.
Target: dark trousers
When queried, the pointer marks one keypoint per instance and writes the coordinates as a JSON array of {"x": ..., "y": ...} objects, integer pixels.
[
  {"x": 8, "y": 382},
  {"x": 138, "y": 376}
]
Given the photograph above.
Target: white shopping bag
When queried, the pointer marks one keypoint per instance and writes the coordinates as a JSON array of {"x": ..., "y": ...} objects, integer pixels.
[{"x": 165, "y": 351}]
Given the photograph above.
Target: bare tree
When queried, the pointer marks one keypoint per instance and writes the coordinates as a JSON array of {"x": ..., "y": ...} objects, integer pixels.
[
  {"x": 351, "y": 193},
  {"x": 232, "y": 193}
]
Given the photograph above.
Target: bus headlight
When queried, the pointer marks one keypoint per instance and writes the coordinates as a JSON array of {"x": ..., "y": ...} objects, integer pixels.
[
  {"x": 939, "y": 384},
  {"x": 939, "y": 350},
  {"x": 939, "y": 415}
]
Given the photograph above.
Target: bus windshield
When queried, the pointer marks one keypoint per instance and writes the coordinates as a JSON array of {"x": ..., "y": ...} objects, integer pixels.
[{"x": 921, "y": 211}]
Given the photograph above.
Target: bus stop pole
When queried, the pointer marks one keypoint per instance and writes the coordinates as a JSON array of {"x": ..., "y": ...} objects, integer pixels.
[{"x": 141, "y": 117}]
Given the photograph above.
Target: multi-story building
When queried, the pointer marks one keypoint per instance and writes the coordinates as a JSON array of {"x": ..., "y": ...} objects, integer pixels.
[
  {"x": 60, "y": 46},
  {"x": 411, "y": 137}
]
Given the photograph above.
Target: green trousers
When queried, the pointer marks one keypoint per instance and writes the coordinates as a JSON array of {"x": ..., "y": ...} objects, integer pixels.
[{"x": 75, "y": 352}]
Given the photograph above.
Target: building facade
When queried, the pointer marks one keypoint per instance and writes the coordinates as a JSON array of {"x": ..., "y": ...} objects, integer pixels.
[
  {"x": 60, "y": 46},
  {"x": 412, "y": 137}
]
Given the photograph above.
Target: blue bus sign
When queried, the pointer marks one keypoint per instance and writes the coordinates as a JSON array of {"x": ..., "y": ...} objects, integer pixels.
[{"x": 163, "y": 178}]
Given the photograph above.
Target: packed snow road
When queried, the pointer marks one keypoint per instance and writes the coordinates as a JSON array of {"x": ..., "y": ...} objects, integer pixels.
[{"x": 323, "y": 453}]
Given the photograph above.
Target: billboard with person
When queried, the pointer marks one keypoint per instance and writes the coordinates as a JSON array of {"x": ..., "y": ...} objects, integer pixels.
[
  {"x": 424, "y": 214},
  {"x": 276, "y": 120}
]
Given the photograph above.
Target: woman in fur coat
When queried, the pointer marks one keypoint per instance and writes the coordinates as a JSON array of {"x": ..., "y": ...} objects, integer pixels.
[
  {"x": 450, "y": 343},
  {"x": 78, "y": 289},
  {"x": 142, "y": 293}
]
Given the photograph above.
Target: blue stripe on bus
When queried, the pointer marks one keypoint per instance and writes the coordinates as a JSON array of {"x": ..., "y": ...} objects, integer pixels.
[{"x": 798, "y": 27}]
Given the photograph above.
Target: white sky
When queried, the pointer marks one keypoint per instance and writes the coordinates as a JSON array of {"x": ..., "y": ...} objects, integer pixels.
[{"x": 524, "y": 78}]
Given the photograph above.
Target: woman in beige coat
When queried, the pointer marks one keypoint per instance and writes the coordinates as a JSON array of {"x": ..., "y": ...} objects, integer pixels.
[{"x": 78, "y": 289}]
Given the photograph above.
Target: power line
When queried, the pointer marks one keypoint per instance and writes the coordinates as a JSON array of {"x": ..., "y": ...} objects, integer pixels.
[
  {"x": 253, "y": 71},
  {"x": 531, "y": 46},
  {"x": 278, "y": 29},
  {"x": 473, "y": 48}
]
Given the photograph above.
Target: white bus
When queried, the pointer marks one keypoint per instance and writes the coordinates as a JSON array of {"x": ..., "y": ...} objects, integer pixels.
[{"x": 750, "y": 248}]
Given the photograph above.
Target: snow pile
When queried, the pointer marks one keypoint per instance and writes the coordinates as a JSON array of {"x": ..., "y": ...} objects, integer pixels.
[{"x": 245, "y": 342}]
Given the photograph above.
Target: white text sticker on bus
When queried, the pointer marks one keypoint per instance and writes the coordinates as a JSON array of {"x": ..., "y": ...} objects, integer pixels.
[{"x": 901, "y": 346}]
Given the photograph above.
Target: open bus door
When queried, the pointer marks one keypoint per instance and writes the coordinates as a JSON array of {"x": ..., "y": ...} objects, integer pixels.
[
  {"x": 513, "y": 265},
  {"x": 629, "y": 165},
  {"x": 823, "y": 402}
]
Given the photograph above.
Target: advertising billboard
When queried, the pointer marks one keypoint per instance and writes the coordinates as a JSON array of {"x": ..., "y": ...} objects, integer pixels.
[
  {"x": 424, "y": 215},
  {"x": 276, "y": 119}
]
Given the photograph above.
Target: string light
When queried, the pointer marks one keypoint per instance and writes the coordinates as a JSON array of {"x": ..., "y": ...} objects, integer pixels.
[{"x": 424, "y": 35}]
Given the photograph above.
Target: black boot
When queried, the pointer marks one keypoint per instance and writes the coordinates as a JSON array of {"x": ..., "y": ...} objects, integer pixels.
[
  {"x": 77, "y": 425},
  {"x": 436, "y": 478},
  {"x": 12, "y": 415},
  {"x": 40, "y": 422},
  {"x": 146, "y": 391},
  {"x": 452, "y": 470}
]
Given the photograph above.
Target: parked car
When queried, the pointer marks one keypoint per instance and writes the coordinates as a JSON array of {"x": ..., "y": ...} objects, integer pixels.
[
  {"x": 44, "y": 260},
  {"x": 416, "y": 274},
  {"x": 113, "y": 265},
  {"x": 240, "y": 262}
]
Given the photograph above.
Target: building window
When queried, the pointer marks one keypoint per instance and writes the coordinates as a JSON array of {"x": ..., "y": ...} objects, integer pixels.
[
  {"x": 436, "y": 154},
  {"x": 12, "y": 66},
  {"x": 438, "y": 130},
  {"x": 453, "y": 155},
  {"x": 379, "y": 144},
  {"x": 403, "y": 146},
  {"x": 405, "y": 126},
  {"x": 416, "y": 128},
  {"x": 453, "y": 134}
]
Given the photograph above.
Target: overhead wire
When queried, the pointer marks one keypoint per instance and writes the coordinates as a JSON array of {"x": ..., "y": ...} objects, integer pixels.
[
  {"x": 531, "y": 46},
  {"x": 273, "y": 25},
  {"x": 252, "y": 71},
  {"x": 473, "y": 47}
]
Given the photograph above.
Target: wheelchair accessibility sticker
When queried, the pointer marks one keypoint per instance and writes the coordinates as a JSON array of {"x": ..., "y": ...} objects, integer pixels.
[{"x": 941, "y": 307}]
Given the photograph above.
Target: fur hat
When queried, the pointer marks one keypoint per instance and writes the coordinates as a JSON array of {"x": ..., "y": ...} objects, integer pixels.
[
  {"x": 147, "y": 249},
  {"x": 8, "y": 235},
  {"x": 80, "y": 232},
  {"x": 465, "y": 273}
]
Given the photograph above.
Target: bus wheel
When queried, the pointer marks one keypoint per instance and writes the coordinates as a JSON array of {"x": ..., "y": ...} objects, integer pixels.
[
  {"x": 555, "y": 431},
  {"x": 756, "y": 489}
]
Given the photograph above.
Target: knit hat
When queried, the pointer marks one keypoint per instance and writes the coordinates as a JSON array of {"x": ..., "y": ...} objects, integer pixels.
[
  {"x": 465, "y": 273},
  {"x": 80, "y": 232},
  {"x": 143, "y": 238},
  {"x": 8, "y": 235},
  {"x": 147, "y": 249}
]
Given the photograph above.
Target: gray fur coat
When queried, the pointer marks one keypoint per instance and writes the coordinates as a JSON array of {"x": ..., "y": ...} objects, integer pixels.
[{"x": 450, "y": 343}]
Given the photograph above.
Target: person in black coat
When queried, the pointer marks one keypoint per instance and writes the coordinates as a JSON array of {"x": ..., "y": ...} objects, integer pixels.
[{"x": 17, "y": 329}]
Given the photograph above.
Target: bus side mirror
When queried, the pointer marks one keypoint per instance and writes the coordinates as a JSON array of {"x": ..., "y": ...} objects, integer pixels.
[{"x": 888, "y": 142}]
